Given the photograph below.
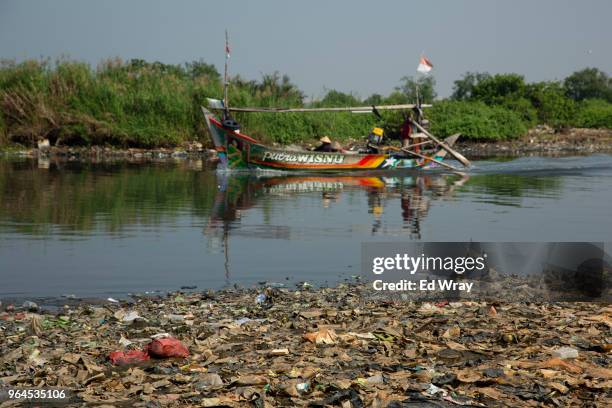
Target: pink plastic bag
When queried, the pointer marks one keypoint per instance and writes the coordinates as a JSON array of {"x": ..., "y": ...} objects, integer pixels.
[
  {"x": 167, "y": 347},
  {"x": 128, "y": 357}
]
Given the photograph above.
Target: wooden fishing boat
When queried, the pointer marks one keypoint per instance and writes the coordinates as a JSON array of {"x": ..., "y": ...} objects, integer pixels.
[{"x": 239, "y": 151}]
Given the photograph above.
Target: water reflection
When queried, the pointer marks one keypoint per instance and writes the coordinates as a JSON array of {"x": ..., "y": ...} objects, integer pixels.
[
  {"x": 237, "y": 194},
  {"x": 77, "y": 199}
]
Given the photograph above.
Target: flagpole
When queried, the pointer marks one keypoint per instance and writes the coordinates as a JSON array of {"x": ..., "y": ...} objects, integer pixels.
[{"x": 225, "y": 80}]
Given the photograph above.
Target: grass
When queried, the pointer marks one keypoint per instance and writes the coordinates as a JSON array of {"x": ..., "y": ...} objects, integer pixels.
[{"x": 141, "y": 104}]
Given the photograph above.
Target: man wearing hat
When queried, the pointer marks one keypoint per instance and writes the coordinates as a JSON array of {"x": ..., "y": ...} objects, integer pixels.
[{"x": 325, "y": 145}]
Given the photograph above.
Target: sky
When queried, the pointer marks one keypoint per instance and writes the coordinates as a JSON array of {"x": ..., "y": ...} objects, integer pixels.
[{"x": 355, "y": 46}]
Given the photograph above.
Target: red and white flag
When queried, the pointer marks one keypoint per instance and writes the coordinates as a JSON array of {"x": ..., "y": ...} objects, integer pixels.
[{"x": 425, "y": 65}]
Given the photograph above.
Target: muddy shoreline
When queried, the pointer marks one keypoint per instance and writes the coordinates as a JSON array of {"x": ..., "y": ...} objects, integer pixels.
[
  {"x": 334, "y": 346},
  {"x": 540, "y": 142}
]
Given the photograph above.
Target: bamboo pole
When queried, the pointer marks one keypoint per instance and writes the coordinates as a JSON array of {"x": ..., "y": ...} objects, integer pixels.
[
  {"x": 357, "y": 109},
  {"x": 443, "y": 145},
  {"x": 418, "y": 144},
  {"x": 441, "y": 163}
]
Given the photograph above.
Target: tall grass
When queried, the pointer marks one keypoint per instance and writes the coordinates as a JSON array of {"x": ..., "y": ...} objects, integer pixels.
[{"x": 143, "y": 104}]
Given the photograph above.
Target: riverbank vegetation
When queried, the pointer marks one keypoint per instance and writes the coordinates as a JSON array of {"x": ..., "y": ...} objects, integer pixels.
[{"x": 138, "y": 103}]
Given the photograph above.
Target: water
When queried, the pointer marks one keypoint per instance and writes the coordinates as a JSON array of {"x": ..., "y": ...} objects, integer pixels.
[{"x": 106, "y": 230}]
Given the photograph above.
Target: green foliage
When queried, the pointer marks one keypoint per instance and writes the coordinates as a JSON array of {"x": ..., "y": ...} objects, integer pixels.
[
  {"x": 463, "y": 88},
  {"x": 475, "y": 120},
  {"x": 497, "y": 88},
  {"x": 337, "y": 98},
  {"x": 553, "y": 107},
  {"x": 589, "y": 83},
  {"x": 524, "y": 108},
  {"x": 594, "y": 113},
  {"x": 374, "y": 99},
  {"x": 297, "y": 127},
  {"x": 151, "y": 104},
  {"x": 424, "y": 86}
]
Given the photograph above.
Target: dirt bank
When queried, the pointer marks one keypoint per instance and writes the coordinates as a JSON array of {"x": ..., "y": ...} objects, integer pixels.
[{"x": 543, "y": 141}]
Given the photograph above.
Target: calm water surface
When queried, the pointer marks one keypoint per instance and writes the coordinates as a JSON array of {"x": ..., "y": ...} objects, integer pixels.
[{"x": 106, "y": 230}]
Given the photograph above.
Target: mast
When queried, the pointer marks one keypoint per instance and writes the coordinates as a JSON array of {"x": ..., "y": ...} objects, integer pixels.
[{"x": 225, "y": 78}]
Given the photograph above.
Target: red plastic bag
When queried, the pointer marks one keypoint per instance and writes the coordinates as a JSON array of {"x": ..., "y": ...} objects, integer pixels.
[
  {"x": 128, "y": 357},
  {"x": 167, "y": 347}
]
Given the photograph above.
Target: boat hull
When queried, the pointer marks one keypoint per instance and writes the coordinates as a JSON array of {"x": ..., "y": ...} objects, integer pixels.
[{"x": 239, "y": 151}]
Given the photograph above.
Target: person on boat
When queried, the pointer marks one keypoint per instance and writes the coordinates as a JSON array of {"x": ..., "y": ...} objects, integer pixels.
[
  {"x": 375, "y": 139},
  {"x": 406, "y": 131},
  {"x": 325, "y": 146},
  {"x": 336, "y": 147}
]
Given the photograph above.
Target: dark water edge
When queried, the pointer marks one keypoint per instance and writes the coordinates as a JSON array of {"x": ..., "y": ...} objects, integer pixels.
[{"x": 98, "y": 230}]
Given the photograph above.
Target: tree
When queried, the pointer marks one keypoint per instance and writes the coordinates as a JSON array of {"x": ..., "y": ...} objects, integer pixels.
[
  {"x": 553, "y": 106},
  {"x": 337, "y": 98},
  {"x": 464, "y": 88},
  {"x": 275, "y": 88},
  {"x": 497, "y": 88},
  {"x": 200, "y": 68},
  {"x": 374, "y": 99},
  {"x": 590, "y": 83},
  {"x": 426, "y": 88}
]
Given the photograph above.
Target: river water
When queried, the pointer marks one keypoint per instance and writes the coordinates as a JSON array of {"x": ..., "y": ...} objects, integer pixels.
[{"x": 97, "y": 230}]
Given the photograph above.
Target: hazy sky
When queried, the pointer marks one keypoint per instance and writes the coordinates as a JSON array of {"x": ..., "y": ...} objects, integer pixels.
[{"x": 360, "y": 46}]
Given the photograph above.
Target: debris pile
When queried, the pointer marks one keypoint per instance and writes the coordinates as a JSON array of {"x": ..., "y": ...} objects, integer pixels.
[{"x": 332, "y": 347}]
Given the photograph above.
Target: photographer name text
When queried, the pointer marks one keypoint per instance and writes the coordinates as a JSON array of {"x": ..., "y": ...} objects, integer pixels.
[{"x": 422, "y": 285}]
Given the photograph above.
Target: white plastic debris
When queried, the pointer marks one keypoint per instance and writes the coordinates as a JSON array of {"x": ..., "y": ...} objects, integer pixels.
[{"x": 565, "y": 353}]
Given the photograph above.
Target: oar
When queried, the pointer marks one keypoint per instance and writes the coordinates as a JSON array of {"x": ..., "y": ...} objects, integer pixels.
[
  {"x": 443, "y": 145},
  {"x": 418, "y": 144},
  {"x": 432, "y": 159}
]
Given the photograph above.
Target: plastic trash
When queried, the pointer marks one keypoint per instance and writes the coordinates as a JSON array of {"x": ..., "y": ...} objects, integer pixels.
[
  {"x": 124, "y": 342},
  {"x": 167, "y": 347},
  {"x": 302, "y": 387},
  {"x": 261, "y": 299},
  {"x": 565, "y": 353},
  {"x": 176, "y": 318},
  {"x": 433, "y": 390},
  {"x": 126, "y": 317},
  {"x": 242, "y": 321},
  {"x": 128, "y": 357},
  {"x": 112, "y": 300}
]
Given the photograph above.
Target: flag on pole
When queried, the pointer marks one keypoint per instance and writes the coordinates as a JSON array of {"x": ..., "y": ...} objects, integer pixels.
[
  {"x": 425, "y": 65},
  {"x": 227, "y": 47}
]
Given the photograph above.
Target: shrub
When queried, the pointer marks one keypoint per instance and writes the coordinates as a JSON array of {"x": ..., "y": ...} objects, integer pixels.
[
  {"x": 594, "y": 113},
  {"x": 589, "y": 83},
  {"x": 553, "y": 107},
  {"x": 524, "y": 108},
  {"x": 497, "y": 88},
  {"x": 475, "y": 120}
]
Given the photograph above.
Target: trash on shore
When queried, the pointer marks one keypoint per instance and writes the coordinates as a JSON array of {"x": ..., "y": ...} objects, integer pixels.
[{"x": 336, "y": 347}]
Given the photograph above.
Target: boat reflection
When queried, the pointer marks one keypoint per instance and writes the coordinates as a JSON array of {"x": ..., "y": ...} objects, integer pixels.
[{"x": 239, "y": 193}]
